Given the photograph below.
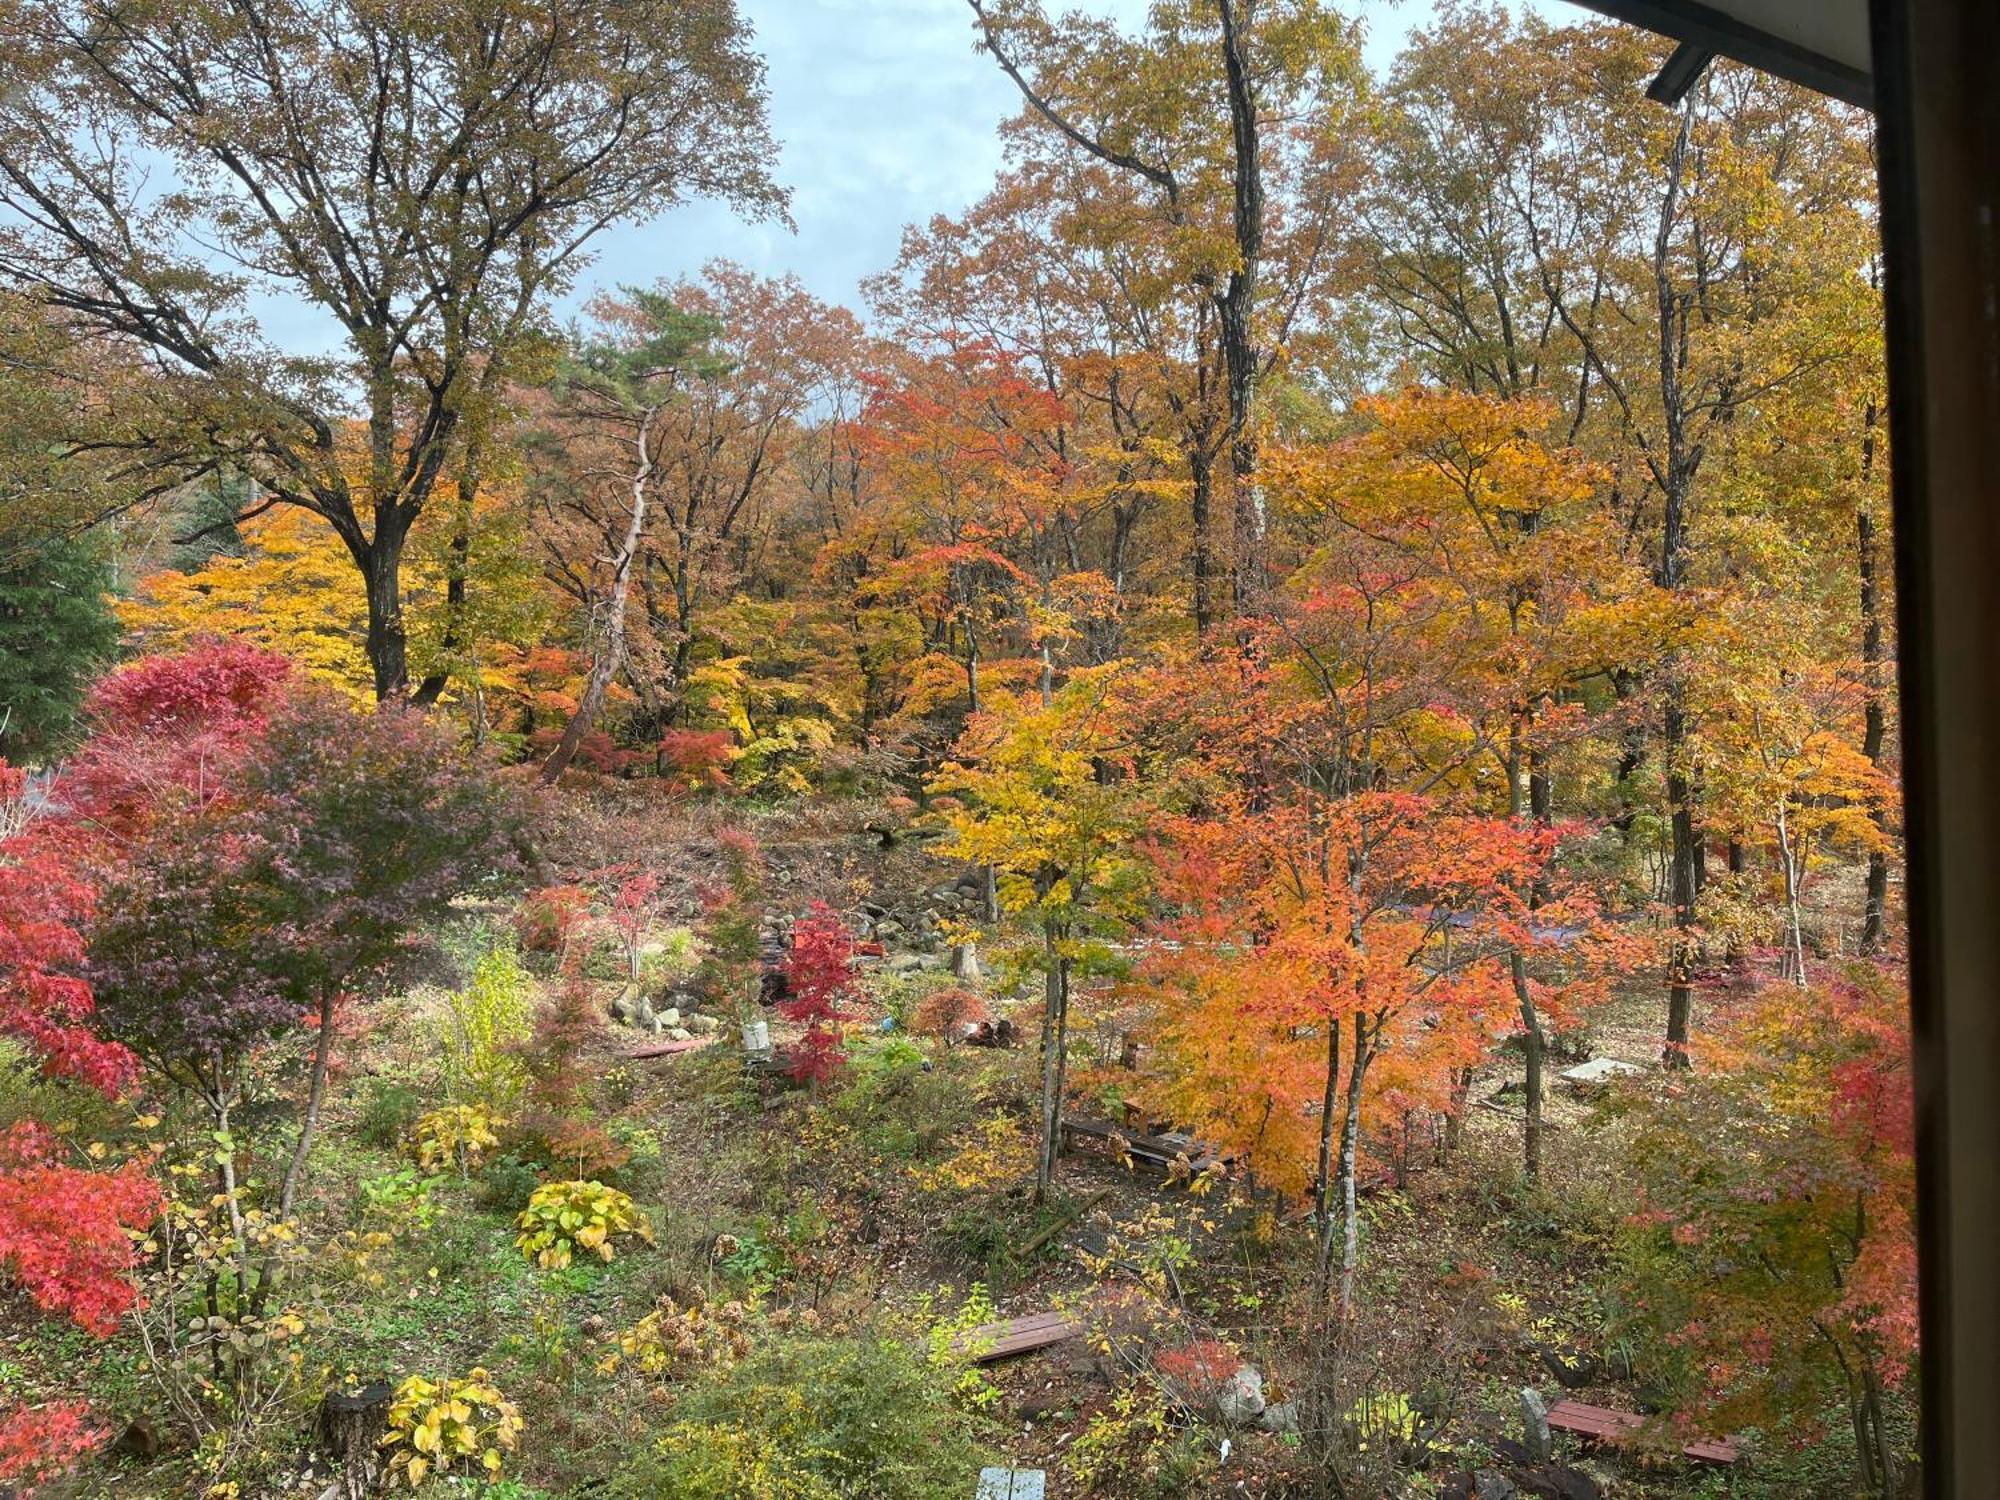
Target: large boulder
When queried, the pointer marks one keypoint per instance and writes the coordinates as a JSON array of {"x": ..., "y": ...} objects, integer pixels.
[{"x": 1239, "y": 1399}]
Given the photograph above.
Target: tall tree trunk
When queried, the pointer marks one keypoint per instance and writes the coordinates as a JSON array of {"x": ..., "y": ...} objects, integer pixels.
[
  {"x": 1323, "y": 1183},
  {"x": 611, "y": 648},
  {"x": 380, "y": 560},
  {"x": 1875, "y": 716},
  {"x": 1237, "y": 305},
  {"x": 315, "y": 1097},
  {"x": 1350, "y": 1148},
  {"x": 1055, "y": 1036},
  {"x": 1682, "y": 957},
  {"x": 1201, "y": 473}
]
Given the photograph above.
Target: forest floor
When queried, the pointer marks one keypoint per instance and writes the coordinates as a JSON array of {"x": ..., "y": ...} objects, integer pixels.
[{"x": 894, "y": 1200}]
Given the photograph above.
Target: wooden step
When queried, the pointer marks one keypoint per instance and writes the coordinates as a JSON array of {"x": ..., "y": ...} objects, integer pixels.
[
  {"x": 1014, "y": 1336},
  {"x": 1606, "y": 1424}
]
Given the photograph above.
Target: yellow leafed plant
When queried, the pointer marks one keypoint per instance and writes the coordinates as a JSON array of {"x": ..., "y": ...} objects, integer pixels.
[
  {"x": 562, "y": 1217},
  {"x": 439, "y": 1425}
]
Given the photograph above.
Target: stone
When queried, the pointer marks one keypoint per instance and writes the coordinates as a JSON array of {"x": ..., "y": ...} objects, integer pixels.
[
  {"x": 1280, "y": 1417},
  {"x": 1535, "y": 1425},
  {"x": 671, "y": 1016},
  {"x": 903, "y": 963},
  {"x": 702, "y": 1025},
  {"x": 1554, "y": 1482},
  {"x": 1240, "y": 1398},
  {"x": 680, "y": 1034},
  {"x": 1489, "y": 1484},
  {"x": 1599, "y": 1070}
]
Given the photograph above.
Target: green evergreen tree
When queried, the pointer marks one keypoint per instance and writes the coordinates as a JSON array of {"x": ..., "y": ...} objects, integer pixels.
[{"x": 56, "y": 632}]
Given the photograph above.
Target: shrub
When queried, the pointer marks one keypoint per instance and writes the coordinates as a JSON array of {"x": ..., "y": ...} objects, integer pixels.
[
  {"x": 815, "y": 1419},
  {"x": 671, "y": 1338},
  {"x": 39, "y": 1444},
  {"x": 67, "y": 1235},
  {"x": 435, "y": 1426},
  {"x": 946, "y": 1013},
  {"x": 546, "y": 919},
  {"x": 819, "y": 988},
  {"x": 563, "y": 1217},
  {"x": 579, "y": 1148},
  {"x": 389, "y": 1111},
  {"x": 485, "y": 1024},
  {"x": 1137, "y": 1449},
  {"x": 456, "y": 1136},
  {"x": 564, "y": 1029}
]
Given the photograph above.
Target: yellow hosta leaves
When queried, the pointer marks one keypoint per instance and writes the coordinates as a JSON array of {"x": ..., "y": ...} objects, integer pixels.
[
  {"x": 562, "y": 1216},
  {"x": 437, "y": 1425},
  {"x": 457, "y": 1135}
]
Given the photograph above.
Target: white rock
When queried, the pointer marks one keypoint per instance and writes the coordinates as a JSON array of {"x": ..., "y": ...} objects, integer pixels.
[
  {"x": 1599, "y": 1070},
  {"x": 1240, "y": 1398}
]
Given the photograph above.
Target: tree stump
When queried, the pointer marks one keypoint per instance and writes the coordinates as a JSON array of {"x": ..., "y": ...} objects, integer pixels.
[{"x": 351, "y": 1425}]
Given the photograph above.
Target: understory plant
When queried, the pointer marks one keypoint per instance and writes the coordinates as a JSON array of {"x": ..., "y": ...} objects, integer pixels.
[
  {"x": 813, "y": 1418},
  {"x": 564, "y": 1217},
  {"x": 438, "y": 1426}
]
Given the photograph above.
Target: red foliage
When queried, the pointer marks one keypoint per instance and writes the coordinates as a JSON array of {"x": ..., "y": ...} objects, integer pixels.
[
  {"x": 946, "y": 1013},
  {"x": 564, "y": 1031},
  {"x": 64, "y": 1232},
  {"x": 167, "y": 728},
  {"x": 43, "y": 1443},
  {"x": 43, "y": 1005},
  {"x": 633, "y": 908},
  {"x": 819, "y": 979},
  {"x": 700, "y": 757},
  {"x": 548, "y": 918}
]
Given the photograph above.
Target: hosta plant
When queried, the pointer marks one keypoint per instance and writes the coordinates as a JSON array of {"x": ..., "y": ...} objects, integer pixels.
[
  {"x": 456, "y": 1136},
  {"x": 439, "y": 1425},
  {"x": 563, "y": 1217},
  {"x": 671, "y": 1337}
]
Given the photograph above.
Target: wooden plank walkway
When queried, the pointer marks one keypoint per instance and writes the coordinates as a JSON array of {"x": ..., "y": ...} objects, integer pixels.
[
  {"x": 1015, "y": 1336},
  {"x": 1607, "y": 1425}
]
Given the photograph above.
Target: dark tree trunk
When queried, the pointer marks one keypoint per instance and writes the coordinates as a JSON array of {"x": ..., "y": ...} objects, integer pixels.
[{"x": 1875, "y": 715}]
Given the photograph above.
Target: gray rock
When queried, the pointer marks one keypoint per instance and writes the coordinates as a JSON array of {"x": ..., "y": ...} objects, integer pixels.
[
  {"x": 1280, "y": 1416},
  {"x": 702, "y": 1025},
  {"x": 1535, "y": 1424},
  {"x": 671, "y": 1016},
  {"x": 680, "y": 1034},
  {"x": 1599, "y": 1070},
  {"x": 1488, "y": 1484},
  {"x": 903, "y": 963},
  {"x": 1240, "y": 1398}
]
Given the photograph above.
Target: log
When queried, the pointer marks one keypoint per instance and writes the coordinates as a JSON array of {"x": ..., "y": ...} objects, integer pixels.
[{"x": 1061, "y": 1222}]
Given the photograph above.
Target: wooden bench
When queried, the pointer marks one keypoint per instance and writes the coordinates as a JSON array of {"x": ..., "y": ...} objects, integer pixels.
[
  {"x": 1161, "y": 1150},
  {"x": 1015, "y": 1336},
  {"x": 1605, "y": 1425}
]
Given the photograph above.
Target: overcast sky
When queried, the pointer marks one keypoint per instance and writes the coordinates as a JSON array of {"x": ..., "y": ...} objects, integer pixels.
[{"x": 885, "y": 116}]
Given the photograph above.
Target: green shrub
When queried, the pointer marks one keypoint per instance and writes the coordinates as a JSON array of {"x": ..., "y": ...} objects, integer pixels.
[
  {"x": 812, "y": 1419},
  {"x": 484, "y": 1026},
  {"x": 508, "y": 1180},
  {"x": 901, "y": 1108},
  {"x": 389, "y": 1111}
]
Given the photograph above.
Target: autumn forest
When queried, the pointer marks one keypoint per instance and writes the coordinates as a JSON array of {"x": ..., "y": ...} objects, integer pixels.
[{"x": 1237, "y": 834}]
